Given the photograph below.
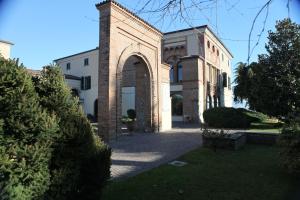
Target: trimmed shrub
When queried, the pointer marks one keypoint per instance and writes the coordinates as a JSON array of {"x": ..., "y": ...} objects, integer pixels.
[
  {"x": 224, "y": 117},
  {"x": 26, "y": 136},
  {"x": 80, "y": 164},
  {"x": 131, "y": 114},
  {"x": 290, "y": 141}
]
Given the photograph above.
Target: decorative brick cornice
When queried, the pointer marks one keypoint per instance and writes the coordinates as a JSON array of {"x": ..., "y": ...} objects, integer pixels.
[{"x": 130, "y": 12}]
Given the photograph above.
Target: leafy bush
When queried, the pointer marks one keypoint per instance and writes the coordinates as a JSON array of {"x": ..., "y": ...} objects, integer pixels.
[
  {"x": 26, "y": 136},
  {"x": 223, "y": 117},
  {"x": 131, "y": 114},
  {"x": 290, "y": 140},
  {"x": 81, "y": 161}
]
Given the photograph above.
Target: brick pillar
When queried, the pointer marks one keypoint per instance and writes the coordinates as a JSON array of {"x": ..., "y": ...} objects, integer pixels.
[
  {"x": 103, "y": 83},
  {"x": 192, "y": 87}
]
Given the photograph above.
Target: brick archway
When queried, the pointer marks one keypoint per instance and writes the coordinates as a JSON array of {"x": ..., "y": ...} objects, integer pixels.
[
  {"x": 144, "y": 89},
  {"x": 122, "y": 35}
]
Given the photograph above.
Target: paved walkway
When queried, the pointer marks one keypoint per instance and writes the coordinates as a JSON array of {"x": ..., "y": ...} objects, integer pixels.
[{"x": 142, "y": 151}]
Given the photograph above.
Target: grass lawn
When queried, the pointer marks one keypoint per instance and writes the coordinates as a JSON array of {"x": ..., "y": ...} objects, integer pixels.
[
  {"x": 267, "y": 125},
  {"x": 271, "y": 130},
  {"x": 252, "y": 173}
]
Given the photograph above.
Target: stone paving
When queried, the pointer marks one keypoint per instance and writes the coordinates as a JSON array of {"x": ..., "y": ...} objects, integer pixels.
[{"x": 133, "y": 154}]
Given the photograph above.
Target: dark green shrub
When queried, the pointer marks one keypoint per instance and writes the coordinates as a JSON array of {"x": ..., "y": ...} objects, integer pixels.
[
  {"x": 290, "y": 141},
  {"x": 223, "y": 117},
  {"x": 26, "y": 136},
  {"x": 80, "y": 163},
  {"x": 131, "y": 114}
]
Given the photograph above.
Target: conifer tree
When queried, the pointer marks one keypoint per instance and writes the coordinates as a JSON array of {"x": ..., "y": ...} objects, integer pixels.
[
  {"x": 81, "y": 161},
  {"x": 26, "y": 136}
]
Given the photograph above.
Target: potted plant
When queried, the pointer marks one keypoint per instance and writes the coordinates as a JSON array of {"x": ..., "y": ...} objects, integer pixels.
[{"x": 130, "y": 122}]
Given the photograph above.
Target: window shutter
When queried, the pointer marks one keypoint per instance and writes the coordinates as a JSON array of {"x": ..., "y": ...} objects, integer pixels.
[{"x": 82, "y": 83}]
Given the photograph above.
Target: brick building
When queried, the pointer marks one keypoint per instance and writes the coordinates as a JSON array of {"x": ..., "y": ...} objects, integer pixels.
[{"x": 178, "y": 74}]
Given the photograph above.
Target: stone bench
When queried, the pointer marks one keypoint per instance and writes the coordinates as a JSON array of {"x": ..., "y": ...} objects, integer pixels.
[{"x": 229, "y": 141}]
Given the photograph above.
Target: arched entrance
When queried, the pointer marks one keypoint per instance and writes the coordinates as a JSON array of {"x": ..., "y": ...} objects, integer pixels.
[
  {"x": 126, "y": 40},
  {"x": 136, "y": 92}
]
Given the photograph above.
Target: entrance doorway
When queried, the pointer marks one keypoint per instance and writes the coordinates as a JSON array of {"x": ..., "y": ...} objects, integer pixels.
[{"x": 136, "y": 92}]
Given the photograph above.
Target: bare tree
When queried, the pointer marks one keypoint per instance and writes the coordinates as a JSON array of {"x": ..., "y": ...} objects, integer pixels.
[
  {"x": 168, "y": 11},
  {"x": 172, "y": 10}
]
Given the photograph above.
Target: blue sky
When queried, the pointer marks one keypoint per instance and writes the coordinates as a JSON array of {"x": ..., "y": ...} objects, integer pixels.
[{"x": 45, "y": 30}]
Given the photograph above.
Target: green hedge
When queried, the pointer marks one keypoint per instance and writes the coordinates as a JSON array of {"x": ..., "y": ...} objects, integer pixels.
[
  {"x": 290, "y": 141},
  {"x": 224, "y": 117},
  {"x": 48, "y": 149}
]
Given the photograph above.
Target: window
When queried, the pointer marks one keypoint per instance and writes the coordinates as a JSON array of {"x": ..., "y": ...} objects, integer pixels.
[
  {"x": 86, "y": 62},
  {"x": 213, "y": 48},
  {"x": 229, "y": 83},
  {"x": 68, "y": 66},
  {"x": 172, "y": 74},
  {"x": 210, "y": 73},
  {"x": 208, "y": 44},
  {"x": 179, "y": 73},
  {"x": 85, "y": 82},
  {"x": 218, "y": 77},
  {"x": 208, "y": 102},
  {"x": 175, "y": 77},
  {"x": 88, "y": 82},
  {"x": 222, "y": 57},
  {"x": 214, "y": 75},
  {"x": 224, "y": 79},
  {"x": 217, "y": 52}
]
